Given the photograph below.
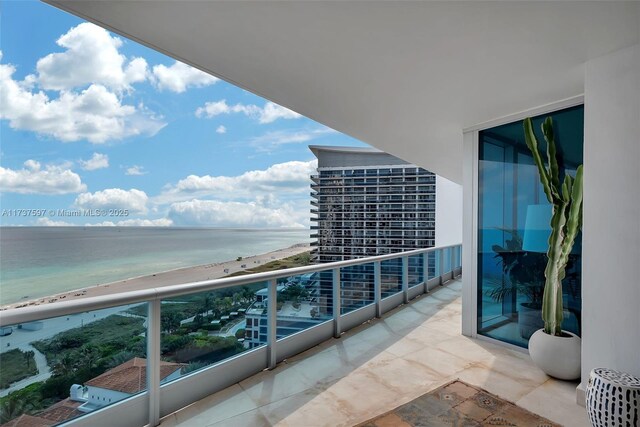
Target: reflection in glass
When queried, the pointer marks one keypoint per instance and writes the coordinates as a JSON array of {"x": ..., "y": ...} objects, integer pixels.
[
  {"x": 302, "y": 304},
  {"x": 61, "y": 368},
  {"x": 202, "y": 329},
  {"x": 512, "y": 236},
  {"x": 356, "y": 286}
]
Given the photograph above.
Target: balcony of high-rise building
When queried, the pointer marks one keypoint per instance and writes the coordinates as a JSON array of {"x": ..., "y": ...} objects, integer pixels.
[{"x": 397, "y": 324}]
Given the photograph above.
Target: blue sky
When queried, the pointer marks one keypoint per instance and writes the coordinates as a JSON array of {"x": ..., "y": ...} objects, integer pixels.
[{"x": 91, "y": 121}]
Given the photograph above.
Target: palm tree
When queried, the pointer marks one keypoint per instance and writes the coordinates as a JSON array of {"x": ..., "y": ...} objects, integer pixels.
[
  {"x": 170, "y": 321},
  {"x": 207, "y": 303},
  {"x": 65, "y": 366},
  {"x": 28, "y": 356}
]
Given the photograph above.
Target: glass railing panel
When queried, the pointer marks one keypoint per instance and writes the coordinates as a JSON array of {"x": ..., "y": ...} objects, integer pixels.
[
  {"x": 390, "y": 277},
  {"x": 303, "y": 301},
  {"x": 416, "y": 270},
  {"x": 65, "y": 367},
  {"x": 433, "y": 261},
  {"x": 447, "y": 266},
  {"x": 356, "y": 287},
  {"x": 198, "y": 330}
]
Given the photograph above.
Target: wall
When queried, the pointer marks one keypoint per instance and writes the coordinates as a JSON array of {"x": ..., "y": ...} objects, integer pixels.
[
  {"x": 448, "y": 212},
  {"x": 611, "y": 237}
]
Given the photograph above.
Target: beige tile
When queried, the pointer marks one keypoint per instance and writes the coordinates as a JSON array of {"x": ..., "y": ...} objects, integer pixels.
[
  {"x": 519, "y": 368},
  {"x": 444, "y": 364},
  {"x": 311, "y": 408},
  {"x": 253, "y": 418},
  {"x": 362, "y": 396},
  {"x": 406, "y": 378},
  {"x": 270, "y": 386},
  {"x": 325, "y": 367},
  {"x": 429, "y": 335},
  {"x": 494, "y": 382},
  {"x": 468, "y": 349},
  {"x": 403, "y": 346},
  {"x": 378, "y": 334},
  {"x": 556, "y": 400},
  {"x": 451, "y": 327},
  {"x": 225, "y": 404}
]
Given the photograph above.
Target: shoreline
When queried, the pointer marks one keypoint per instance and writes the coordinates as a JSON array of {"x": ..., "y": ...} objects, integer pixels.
[{"x": 175, "y": 276}]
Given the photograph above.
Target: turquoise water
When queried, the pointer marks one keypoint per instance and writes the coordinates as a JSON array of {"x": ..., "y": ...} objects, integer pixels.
[{"x": 41, "y": 261}]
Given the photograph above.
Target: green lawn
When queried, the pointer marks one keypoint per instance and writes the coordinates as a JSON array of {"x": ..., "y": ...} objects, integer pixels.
[
  {"x": 16, "y": 365},
  {"x": 299, "y": 260}
]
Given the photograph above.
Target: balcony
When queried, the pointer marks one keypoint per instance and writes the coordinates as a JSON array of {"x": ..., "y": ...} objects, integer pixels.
[
  {"x": 189, "y": 348},
  {"x": 395, "y": 338},
  {"x": 379, "y": 366}
]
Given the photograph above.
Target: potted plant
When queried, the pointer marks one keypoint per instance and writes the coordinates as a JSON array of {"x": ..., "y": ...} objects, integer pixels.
[{"x": 553, "y": 350}]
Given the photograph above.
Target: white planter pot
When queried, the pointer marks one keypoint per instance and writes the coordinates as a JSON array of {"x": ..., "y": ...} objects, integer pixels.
[{"x": 558, "y": 357}]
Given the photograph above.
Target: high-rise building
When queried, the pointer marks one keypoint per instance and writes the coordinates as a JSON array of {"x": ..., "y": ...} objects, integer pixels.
[{"x": 367, "y": 202}]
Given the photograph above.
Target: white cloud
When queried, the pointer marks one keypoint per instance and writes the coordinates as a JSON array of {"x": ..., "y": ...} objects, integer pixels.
[
  {"x": 179, "y": 77},
  {"x": 288, "y": 177},
  {"x": 267, "y": 114},
  {"x": 221, "y": 129},
  {"x": 136, "y": 222},
  {"x": 95, "y": 114},
  {"x": 47, "y": 222},
  {"x": 114, "y": 198},
  {"x": 34, "y": 179},
  {"x": 97, "y": 161},
  {"x": 231, "y": 214},
  {"x": 272, "y": 112},
  {"x": 91, "y": 57},
  {"x": 135, "y": 170},
  {"x": 272, "y": 140}
]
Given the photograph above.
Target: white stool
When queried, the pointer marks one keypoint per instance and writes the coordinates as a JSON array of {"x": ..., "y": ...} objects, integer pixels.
[{"x": 613, "y": 399}]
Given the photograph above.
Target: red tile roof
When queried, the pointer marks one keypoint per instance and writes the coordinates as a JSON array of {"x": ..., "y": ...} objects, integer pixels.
[
  {"x": 29, "y": 421},
  {"x": 64, "y": 410},
  {"x": 131, "y": 376}
]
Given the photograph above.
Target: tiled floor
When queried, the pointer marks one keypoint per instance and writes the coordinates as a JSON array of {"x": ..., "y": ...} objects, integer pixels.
[{"x": 379, "y": 366}]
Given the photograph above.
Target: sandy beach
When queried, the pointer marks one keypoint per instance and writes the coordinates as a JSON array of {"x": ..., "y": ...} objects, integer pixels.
[{"x": 172, "y": 277}]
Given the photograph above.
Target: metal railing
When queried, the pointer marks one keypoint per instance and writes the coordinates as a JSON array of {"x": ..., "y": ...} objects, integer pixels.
[{"x": 159, "y": 400}]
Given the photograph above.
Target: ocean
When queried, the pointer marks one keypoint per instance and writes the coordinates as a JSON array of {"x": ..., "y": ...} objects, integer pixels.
[{"x": 41, "y": 261}]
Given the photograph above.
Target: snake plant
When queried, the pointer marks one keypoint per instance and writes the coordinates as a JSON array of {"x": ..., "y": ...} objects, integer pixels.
[{"x": 566, "y": 221}]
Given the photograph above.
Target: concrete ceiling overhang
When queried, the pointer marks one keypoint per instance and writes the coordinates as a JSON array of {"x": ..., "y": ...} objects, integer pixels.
[{"x": 403, "y": 77}]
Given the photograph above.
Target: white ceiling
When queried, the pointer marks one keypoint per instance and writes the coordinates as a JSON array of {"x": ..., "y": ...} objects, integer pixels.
[{"x": 403, "y": 77}]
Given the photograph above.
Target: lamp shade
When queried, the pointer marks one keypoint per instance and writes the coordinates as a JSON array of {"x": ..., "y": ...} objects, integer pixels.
[{"x": 537, "y": 228}]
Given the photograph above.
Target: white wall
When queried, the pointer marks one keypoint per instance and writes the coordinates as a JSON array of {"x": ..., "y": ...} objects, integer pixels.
[
  {"x": 448, "y": 212},
  {"x": 611, "y": 237}
]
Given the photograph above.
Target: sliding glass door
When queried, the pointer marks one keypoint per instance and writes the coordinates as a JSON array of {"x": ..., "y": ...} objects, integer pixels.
[{"x": 513, "y": 218}]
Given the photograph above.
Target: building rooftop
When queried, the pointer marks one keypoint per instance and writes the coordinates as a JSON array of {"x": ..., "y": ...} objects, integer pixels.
[
  {"x": 131, "y": 376},
  {"x": 29, "y": 421},
  {"x": 62, "y": 411}
]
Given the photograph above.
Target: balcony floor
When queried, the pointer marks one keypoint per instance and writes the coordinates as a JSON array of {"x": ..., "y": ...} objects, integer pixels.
[{"x": 380, "y": 365}]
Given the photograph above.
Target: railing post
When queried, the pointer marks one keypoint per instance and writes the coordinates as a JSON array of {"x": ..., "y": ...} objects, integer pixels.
[
  {"x": 425, "y": 271},
  {"x": 377, "y": 288},
  {"x": 441, "y": 264},
  {"x": 272, "y": 323},
  {"x": 405, "y": 279},
  {"x": 337, "y": 303},
  {"x": 153, "y": 360}
]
